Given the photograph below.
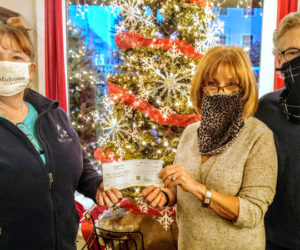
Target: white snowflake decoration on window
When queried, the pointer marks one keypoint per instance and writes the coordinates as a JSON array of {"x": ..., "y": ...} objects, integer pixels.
[
  {"x": 143, "y": 206},
  {"x": 211, "y": 38},
  {"x": 174, "y": 52},
  {"x": 168, "y": 84},
  {"x": 166, "y": 112},
  {"x": 113, "y": 129},
  {"x": 132, "y": 14},
  {"x": 144, "y": 93},
  {"x": 166, "y": 220},
  {"x": 209, "y": 29},
  {"x": 171, "y": 83},
  {"x": 120, "y": 28},
  {"x": 197, "y": 20},
  {"x": 106, "y": 102},
  {"x": 128, "y": 111}
]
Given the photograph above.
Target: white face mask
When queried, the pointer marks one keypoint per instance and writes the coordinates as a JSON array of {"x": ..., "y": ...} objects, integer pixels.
[{"x": 14, "y": 77}]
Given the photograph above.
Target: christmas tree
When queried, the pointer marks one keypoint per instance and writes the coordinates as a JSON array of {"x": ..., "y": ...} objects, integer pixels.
[
  {"x": 160, "y": 43},
  {"x": 82, "y": 78}
]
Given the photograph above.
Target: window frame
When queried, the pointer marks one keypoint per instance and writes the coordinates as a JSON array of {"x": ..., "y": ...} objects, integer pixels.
[{"x": 267, "y": 60}]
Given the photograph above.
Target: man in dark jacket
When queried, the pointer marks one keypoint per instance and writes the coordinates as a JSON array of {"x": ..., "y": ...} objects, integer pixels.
[{"x": 280, "y": 110}]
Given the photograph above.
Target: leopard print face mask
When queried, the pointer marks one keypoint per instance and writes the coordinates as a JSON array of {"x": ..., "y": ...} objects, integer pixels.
[{"x": 221, "y": 121}]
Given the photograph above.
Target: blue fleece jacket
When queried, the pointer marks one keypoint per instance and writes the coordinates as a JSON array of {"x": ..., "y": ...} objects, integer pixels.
[{"x": 37, "y": 207}]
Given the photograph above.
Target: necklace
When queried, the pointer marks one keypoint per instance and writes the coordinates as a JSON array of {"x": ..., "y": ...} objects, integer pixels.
[{"x": 31, "y": 137}]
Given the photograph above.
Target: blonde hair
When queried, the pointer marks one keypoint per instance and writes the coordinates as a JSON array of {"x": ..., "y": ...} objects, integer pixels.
[
  {"x": 290, "y": 21},
  {"x": 239, "y": 64},
  {"x": 17, "y": 35}
]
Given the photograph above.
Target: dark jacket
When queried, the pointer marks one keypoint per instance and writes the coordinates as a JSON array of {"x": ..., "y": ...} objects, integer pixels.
[
  {"x": 282, "y": 220},
  {"x": 37, "y": 208}
]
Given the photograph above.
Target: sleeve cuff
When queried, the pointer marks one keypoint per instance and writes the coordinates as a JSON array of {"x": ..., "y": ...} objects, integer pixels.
[
  {"x": 242, "y": 218},
  {"x": 248, "y": 215}
]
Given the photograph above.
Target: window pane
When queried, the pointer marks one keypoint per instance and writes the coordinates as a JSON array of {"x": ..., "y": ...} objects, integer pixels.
[
  {"x": 242, "y": 26},
  {"x": 223, "y": 11},
  {"x": 222, "y": 40},
  {"x": 248, "y": 12},
  {"x": 130, "y": 68}
]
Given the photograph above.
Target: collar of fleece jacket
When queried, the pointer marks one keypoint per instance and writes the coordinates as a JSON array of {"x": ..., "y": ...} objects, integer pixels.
[{"x": 41, "y": 103}]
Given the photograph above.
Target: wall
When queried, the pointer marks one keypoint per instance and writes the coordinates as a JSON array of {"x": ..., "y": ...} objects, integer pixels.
[{"x": 32, "y": 16}]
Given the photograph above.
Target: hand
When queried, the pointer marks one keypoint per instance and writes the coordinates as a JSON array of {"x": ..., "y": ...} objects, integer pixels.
[
  {"x": 154, "y": 196},
  {"x": 176, "y": 174},
  {"x": 108, "y": 197}
]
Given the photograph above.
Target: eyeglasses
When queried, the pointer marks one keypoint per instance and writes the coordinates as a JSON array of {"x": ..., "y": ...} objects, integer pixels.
[
  {"x": 213, "y": 88},
  {"x": 289, "y": 54},
  {"x": 29, "y": 135}
]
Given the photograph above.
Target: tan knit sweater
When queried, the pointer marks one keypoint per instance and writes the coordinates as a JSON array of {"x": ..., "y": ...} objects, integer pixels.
[{"x": 246, "y": 169}]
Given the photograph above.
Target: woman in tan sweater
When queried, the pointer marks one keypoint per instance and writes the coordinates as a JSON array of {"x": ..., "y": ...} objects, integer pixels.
[{"x": 225, "y": 170}]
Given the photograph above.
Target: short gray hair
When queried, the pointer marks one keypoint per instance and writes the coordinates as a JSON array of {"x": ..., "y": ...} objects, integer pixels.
[{"x": 288, "y": 22}]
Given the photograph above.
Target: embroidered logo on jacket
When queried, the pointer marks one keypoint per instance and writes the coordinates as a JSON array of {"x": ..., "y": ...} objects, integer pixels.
[{"x": 63, "y": 136}]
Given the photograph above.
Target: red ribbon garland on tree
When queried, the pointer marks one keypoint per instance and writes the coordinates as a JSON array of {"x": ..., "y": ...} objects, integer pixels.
[
  {"x": 105, "y": 157},
  {"x": 201, "y": 2},
  {"x": 128, "y": 40},
  {"x": 122, "y": 96}
]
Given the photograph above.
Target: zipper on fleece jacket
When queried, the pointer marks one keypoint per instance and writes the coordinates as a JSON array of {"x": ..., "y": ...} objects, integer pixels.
[
  {"x": 50, "y": 179},
  {"x": 50, "y": 175}
]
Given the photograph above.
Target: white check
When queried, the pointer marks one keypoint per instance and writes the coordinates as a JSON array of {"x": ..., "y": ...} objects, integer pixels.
[{"x": 131, "y": 173}]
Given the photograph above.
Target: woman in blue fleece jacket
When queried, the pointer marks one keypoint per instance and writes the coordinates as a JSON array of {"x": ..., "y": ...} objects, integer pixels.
[{"x": 41, "y": 160}]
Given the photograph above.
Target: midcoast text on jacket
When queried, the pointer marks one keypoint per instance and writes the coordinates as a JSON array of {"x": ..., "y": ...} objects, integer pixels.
[{"x": 37, "y": 208}]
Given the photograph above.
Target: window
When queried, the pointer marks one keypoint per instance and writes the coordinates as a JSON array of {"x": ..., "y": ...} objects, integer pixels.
[
  {"x": 113, "y": 59},
  {"x": 223, "y": 11},
  {"x": 248, "y": 12},
  {"x": 240, "y": 30},
  {"x": 222, "y": 40},
  {"x": 247, "y": 42}
]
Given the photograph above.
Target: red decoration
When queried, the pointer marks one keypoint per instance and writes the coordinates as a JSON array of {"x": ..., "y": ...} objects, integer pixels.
[
  {"x": 130, "y": 206},
  {"x": 80, "y": 209},
  {"x": 87, "y": 226},
  {"x": 86, "y": 229},
  {"x": 129, "y": 40},
  {"x": 122, "y": 96},
  {"x": 107, "y": 157},
  {"x": 201, "y": 2}
]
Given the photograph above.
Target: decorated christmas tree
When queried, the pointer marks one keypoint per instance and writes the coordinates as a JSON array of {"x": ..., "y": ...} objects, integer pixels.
[{"x": 147, "y": 106}]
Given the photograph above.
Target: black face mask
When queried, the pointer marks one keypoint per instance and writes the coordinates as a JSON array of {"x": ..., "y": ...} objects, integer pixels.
[{"x": 290, "y": 97}]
